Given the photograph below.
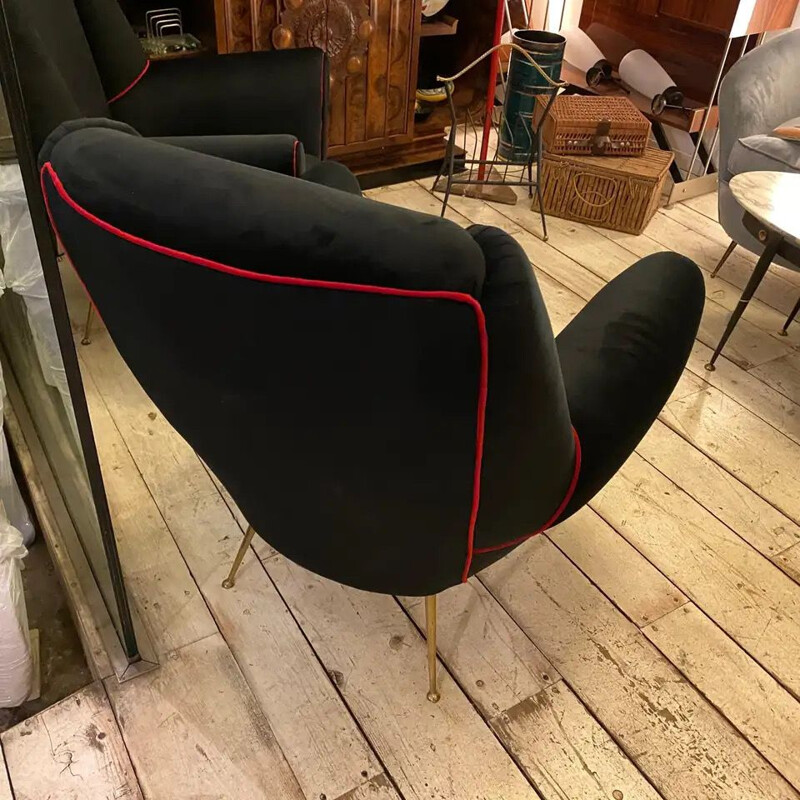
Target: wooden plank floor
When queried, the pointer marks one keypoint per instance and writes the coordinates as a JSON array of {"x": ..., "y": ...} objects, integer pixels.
[{"x": 648, "y": 648}]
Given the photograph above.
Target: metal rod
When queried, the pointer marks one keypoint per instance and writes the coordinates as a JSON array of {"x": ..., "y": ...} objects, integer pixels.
[
  {"x": 725, "y": 256},
  {"x": 716, "y": 131},
  {"x": 237, "y": 562},
  {"x": 430, "y": 632},
  {"x": 772, "y": 241},
  {"x": 785, "y": 330},
  {"x": 707, "y": 113},
  {"x": 508, "y": 16},
  {"x": 87, "y": 328},
  {"x": 490, "y": 91}
]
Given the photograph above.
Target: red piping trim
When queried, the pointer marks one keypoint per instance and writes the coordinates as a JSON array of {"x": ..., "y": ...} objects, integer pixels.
[
  {"x": 294, "y": 158},
  {"x": 131, "y": 84},
  {"x": 458, "y": 297},
  {"x": 558, "y": 512},
  {"x": 64, "y": 248}
]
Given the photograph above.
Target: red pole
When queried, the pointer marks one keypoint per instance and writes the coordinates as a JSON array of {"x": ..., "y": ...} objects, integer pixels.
[{"x": 493, "y": 67}]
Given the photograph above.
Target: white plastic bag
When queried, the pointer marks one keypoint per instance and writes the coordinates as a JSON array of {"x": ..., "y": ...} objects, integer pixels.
[
  {"x": 16, "y": 661},
  {"x": 10, "y": 496}
]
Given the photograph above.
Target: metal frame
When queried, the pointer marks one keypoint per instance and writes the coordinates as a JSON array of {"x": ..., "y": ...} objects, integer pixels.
[
  {"x": 45, "y": 240},
  {"x": 491, "y": 171}
]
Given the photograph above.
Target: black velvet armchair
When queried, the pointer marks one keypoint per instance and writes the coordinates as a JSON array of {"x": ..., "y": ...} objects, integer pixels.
[
  {"x": 379, "y": 389},
  {"x": 81, "y": 59}
]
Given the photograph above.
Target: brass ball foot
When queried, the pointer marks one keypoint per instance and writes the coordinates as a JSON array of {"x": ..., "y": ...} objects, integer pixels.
[
  {"x": 783, "y": 333},
  {"x": 227, "y": 584},
  {"x": 434, "y": 697},
  {"x": 86, "y": 341},
  {"x": 710, "y": 367}
]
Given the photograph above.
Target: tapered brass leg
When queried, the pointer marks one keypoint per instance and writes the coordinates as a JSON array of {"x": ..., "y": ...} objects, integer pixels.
[
  {"x": 237, "y": 562},
  {"x": 430, "y": 630},
  {"x": 87, "y": 328}
]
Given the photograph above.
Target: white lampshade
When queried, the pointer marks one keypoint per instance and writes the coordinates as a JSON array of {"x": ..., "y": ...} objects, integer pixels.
[
  {"x": 644, "y": 74},
  {"x": 580, "y": 51}
]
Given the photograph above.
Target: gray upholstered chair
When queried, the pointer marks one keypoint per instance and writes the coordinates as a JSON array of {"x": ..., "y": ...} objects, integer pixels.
[{"x": 760, "y": 91}]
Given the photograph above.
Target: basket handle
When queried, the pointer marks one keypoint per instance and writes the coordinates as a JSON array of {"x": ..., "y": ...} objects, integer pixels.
[{"x": 589, "y": 202}]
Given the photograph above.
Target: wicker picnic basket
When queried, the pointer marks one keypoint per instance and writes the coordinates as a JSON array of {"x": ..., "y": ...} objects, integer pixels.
[
  {"x": 617, "y": 193},
  {"x": 583, "y": 126}
]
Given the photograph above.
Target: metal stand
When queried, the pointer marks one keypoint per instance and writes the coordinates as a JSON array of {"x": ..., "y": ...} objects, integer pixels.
[{"x": 487, "y": 175}]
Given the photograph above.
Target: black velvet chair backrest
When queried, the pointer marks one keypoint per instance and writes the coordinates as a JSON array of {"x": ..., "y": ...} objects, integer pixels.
[
  {"x": 327, "y": 355},
  {"x": 80, "y": 59},
  {"x": 57, "y": 71},
  {"x": 73, "y": 57}
]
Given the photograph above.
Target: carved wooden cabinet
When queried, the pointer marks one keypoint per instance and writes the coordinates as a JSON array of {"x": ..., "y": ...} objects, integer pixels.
[{"x": 372, "y": 45}]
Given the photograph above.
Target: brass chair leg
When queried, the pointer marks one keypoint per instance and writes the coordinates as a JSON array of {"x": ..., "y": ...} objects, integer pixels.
[
  {"x": 87, "y": 328},
  {"x": 430, "y": 630},
  {"x": 237, "y": 562}
]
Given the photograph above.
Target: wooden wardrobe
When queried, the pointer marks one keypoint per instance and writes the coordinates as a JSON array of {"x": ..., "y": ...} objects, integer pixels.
[
  {"x": 374, "y": 48},
  {"x": 372, "y": 45}
]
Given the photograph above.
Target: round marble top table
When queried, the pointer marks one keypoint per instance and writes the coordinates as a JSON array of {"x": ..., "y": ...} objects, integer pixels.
[
  {"x": 773, "y": 198},
  {"x": 771, "y": 203}
]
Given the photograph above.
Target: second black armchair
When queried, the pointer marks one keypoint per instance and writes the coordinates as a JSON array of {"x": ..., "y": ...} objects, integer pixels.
[{"x": 80, "y": 59}]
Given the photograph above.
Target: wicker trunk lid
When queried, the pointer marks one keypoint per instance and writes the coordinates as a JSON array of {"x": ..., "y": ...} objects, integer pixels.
[
  {"x": 617, "y": 193},
  {"x": 584, "y": 126}
]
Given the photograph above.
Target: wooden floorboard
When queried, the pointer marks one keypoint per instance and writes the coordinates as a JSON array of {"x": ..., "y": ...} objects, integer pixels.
[
  {"x": 310, "y": 721},
  {"x": 647, "y": 648},
  {"x": 378, "y": 660},
  {"x": 70, "y": 751},
  {"x": 751, "y": 699},
  {"x": 745, "y": 593},
  {"x": 558, "y": 743},
  {"x": 675, "y": 737},
  {"x": 195, "y": 730}
]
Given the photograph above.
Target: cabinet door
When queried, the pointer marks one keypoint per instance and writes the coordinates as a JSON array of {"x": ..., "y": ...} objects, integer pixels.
[
  {"x": 371, "y": 46},
  {"x": 718, "y": 15}
]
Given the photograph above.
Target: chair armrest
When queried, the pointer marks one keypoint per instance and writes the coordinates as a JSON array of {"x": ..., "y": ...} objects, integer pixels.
[
  {"x": 276, "y": 152},
  {"x": 333, "y": 175},
  {"x": 279, "y": 91},
  {"x": 622, "y": 356}
]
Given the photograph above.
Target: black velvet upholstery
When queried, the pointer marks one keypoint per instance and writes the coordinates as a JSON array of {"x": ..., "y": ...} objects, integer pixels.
[
  {"x": 379, "y": 390},
  {"x": 81, "y": 59},
  {"x": 331, "y": 174},
  {"x": 276, "y": 152},
  {"x": 275, "y": 91}
]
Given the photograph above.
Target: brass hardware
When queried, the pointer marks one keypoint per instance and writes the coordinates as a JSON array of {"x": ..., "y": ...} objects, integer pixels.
[
  {"x": 762, "y": 236},
  {"x": 87, "y": 328},
  {"x": 282, "y": 38},
  {"x": 355, "y": 64},
  {"x": 365, "y": 30},
  {"x": 430, "y": 632},
  {"x": 237, "y": 562}
]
